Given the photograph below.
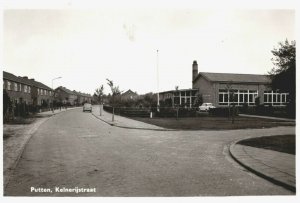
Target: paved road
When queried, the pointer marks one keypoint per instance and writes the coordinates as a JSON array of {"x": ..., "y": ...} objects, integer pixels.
[{"x": 74, "y": 149}]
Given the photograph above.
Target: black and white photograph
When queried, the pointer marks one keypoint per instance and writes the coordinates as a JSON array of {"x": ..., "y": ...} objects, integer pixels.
[{"x": 155, "y": 100}]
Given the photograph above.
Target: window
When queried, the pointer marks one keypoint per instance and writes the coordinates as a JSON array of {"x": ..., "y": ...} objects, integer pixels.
[
  {"x": 41, "y": 91},
  {"x": 221, "y": 98},
  {"x": 25, "y": 88},
  {"x": 275, "y": 98},
  {"x": 239, "y": 97},
  {"x": 8, "y": 85},
  {"x": 20, "y": 87},
  {"x": 16, "y": 87},
  {"x": 29, "y": 89}
]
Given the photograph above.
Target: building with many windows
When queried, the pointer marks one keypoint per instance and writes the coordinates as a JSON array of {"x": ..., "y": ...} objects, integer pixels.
[
  {"x": 223, "y": 89},
  {"x": 183, "y": 97},
  {"x": 28, "y": 91},
  {"x": 19, "y": 89}
]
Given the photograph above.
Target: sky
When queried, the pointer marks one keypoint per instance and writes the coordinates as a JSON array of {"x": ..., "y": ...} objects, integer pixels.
[{"x": 85, "y": 47}]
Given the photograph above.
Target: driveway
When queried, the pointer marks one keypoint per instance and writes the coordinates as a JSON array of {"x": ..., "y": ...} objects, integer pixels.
[{"x": 74, "y": 149}]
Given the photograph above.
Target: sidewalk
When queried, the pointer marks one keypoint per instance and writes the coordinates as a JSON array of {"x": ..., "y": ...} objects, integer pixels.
[
  {"x": 17, "y": 138},
  {"x": 123, "y": 122},
  {"x": 277, "y": 167},
  {"x": 268, "y": 117}
]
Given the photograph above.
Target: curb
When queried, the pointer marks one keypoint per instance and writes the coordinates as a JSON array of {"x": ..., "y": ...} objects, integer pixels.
[
  {"x": 268, "y": 117},
  {"x": 134, "y": 128},
  {"x": 258, "y": 173}
]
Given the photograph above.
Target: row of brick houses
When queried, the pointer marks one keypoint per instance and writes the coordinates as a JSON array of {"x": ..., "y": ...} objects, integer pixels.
[
  {"x": 25, "y": 90},
  {"x": 66, "y": 96},
  {"x": 22, "y": 90}
]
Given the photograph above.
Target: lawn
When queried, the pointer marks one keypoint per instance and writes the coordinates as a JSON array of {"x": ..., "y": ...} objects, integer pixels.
[
  {"x": 280, "y": 143},
  {"x": 214, "y": 123}
]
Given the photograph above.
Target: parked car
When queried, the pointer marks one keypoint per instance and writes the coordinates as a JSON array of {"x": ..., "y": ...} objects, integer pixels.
[
  {"x": 87, "y": 107},
  {"x": 206, "y": 107}
]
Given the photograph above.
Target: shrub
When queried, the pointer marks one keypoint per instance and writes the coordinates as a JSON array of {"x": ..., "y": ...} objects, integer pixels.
[
  {"x": 224, "y": 112},
  {"x": 166, "y": 112}
]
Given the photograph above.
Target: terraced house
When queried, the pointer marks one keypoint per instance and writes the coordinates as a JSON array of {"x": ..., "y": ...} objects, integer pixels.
[
  {"x": 65, "y": 96},
  {"x": 19, "y": 89},
  {"x": 82, "y": 97},
  {"x": 42, "y": 95},
  {"x": 24, "y": 96}
]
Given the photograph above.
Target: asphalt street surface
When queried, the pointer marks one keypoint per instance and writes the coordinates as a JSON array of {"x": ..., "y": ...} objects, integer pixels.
[{"x": 74, "y": 149}]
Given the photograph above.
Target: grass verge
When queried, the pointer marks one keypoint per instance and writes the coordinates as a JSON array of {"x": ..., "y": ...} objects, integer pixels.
[
  {"x": 280, "y": 143},
  {"x": 214, "y": 123}
]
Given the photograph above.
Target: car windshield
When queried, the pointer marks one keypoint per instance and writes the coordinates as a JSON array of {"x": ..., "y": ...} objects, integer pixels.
[{"x": 87, "y": 105}]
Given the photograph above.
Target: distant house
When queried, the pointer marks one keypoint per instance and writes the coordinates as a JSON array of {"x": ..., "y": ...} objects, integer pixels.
[
  {"x": 65, "y": 96},
  {"x": 129, "y": 95},
  {"x": 83, "y": 97}
]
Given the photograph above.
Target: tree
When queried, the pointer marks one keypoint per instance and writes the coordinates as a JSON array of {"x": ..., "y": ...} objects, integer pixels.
[
  {"x": 283, "y": 74},
  {"x": 7, "y": 104},
  {"x": 99, "y": 92},
  {"x": 115, "y": 91}
]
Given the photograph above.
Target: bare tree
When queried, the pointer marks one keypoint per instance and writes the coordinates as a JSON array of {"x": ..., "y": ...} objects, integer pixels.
[{"x": 99, "y": 92}]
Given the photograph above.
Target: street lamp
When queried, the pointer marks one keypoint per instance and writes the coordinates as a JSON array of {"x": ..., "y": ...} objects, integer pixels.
[{"x": 53, "y": 92}]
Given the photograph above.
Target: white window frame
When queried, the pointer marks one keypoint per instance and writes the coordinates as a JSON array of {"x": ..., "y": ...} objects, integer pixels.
[
  {"x": 237, "y": 93},
  {"x": 277, "y": 98},
  {"x": 15, "y": 86},
  {"x": 8, "y": 85}
]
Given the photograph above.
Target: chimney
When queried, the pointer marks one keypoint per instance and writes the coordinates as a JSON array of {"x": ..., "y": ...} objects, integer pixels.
[
  {"x": 25, "y": 77},
  {"x": 195, "y": 70},
  {"x": 32, "y": 79}
]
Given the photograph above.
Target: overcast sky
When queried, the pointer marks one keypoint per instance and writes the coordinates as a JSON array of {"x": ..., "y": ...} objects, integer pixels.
[{"x": 85, "y": 47}]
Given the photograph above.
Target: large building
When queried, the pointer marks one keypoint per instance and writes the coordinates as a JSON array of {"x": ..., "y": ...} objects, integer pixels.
[
  {"x": 223, "y": 89},
  {"x": 246, "y": 89}
]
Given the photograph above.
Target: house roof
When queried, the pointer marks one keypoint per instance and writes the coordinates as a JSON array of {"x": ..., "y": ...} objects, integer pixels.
[
  {"x": 235, "y": 78},
  {"x": 24, "y": 80},
  {"x": 129, "y": 92},
  {"x": 12, "y": 77},
  {"x": 40, "y": 85},
  {"x": 82, "y": 94},
  {"x": 179, "y": 90},
  {"x": 65, "y": 90}
]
